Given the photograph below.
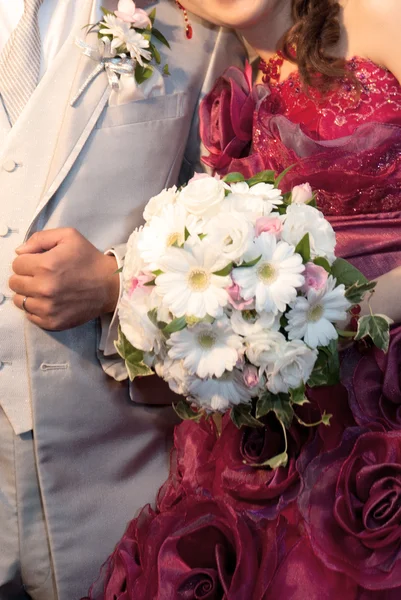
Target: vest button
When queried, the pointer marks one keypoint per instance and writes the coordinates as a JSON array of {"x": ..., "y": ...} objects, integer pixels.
[
  {"x": 9, "y": 165},
  {"x": 4, "y": 230}
]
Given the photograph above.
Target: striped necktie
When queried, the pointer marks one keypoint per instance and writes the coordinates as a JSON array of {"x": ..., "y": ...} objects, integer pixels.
[{"x": 20, "y": 62}]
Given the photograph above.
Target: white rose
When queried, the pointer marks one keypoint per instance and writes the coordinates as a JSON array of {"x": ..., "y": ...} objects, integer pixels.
[
  {"x": 135, "y": 323},
  {"x": 292, "y": 368},
  {"x": 263, "y": 347},
  {"x": 173, "y": 372},
  {"x": 301, "y": 219},
  {"x": 202, "y": 197},
  {"x": 301, "y": 194},
  {"x": 156, "y": 204},
  {"x": 244, "y": 323},
  {"x": 231, "y": 233}
]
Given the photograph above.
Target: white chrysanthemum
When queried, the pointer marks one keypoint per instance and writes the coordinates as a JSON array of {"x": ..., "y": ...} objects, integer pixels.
[
  {"x": 256, "y": 201},
  {"x": 161, "y": 233},
  {"x": 301, "y": 219},
  {"x": 156, "y": 204},
  {"x": 312, "y": 318},
  {"x": 135, "y": 323},
  {"x": 207, "y": 349},
  {"x": 274, "y": 280},
  {"x": 133, "y": 263},
  {"x": 220, "y": 394},
  {"x": 263, "y": 347},
  {"x": 231, "y": 233},
  {"x": 292, "y": 368},
  {"x": 174, "y": 373},
  {"x": 188, "y": 284},
  {"x": 247, "y": 322},
  {"x": 124, "y": 35},
  {"x": 203, "y": 196}
]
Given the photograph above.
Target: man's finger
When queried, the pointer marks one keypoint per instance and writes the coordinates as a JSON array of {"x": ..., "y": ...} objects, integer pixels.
[
  {"x": 25, "y": 286},
  {"x": 32, "y": 305},
  {"x": 41, "y": 241},
  {"x": 26, "y": 265}
]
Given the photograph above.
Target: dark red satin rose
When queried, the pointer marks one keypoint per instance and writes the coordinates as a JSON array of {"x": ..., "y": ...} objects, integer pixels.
[
  {"x": 200, "y": 549},
  {"x": 375, "y": 385},
  {"x": 351, "y": 503},
  {"x": 239, "y": 475},
  {"x": 226, "y": 118}
]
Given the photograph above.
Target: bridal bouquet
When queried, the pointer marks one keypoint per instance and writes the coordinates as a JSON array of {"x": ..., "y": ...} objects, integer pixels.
[{"x": 233, "y": 295}]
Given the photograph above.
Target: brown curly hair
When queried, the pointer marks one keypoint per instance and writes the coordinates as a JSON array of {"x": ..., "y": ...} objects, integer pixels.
[{"x": 315, "y": 31}]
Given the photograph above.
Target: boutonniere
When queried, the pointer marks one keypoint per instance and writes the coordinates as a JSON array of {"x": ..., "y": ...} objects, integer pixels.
[{"x": 126, "y": 46}]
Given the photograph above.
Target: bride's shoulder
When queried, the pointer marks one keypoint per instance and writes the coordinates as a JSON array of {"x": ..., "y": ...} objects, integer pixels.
[{"x": 379, "y": 25}]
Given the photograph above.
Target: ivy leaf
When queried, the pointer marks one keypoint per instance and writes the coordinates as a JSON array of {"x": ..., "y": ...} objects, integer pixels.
[
  {"x": 185, "y": 412},
  {"x": 280, "y": 405},
  {"x": 133, "y": 357},
  {"x": 298, "y": 396},
  {"x": 325, "y": 420},
  {"x": 377, "y": 327},
  {"x": 346, "y": 273},
  {"x": 159, "y": 36},
  {"x": 251, "y": 263},
  {"x": 282, "y": 175},
  {"x": 355, "y": 293},
  {"x": 233, "y": 178},
  {"x": 322, "y": 262},
  {"x": 226, "y": 271},
  {"x": 175, "y": 325},
  {"x": 262, "y": 177},
  {"x": 327, "y": 367},
  {"x": 241, "y": 417},
  {"x": 303, "y": 248}
]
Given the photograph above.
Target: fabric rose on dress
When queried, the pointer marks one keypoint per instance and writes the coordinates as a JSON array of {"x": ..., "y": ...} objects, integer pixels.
[
  {"x": 374, "y": 384},
  {"x": 198, "y": 549},
  {"x": 226, "y": 116},
  {"x": 240, "y": 476},
  {"x": 351, "y": 503}
]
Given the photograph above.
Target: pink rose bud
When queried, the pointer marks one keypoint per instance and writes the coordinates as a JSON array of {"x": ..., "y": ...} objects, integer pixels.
[
  {"x": 315, "y": 277},
  {"x": 251, "y": 376},
  {"x": 302, "y": 194},
  {"x": 268, "y": 224},
  {"x": 140, "y": 281},
  {"x": 235, "y": 298}
]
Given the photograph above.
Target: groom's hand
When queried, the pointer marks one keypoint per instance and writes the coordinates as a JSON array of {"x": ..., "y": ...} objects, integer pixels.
[{"x": 65, "y": 279}]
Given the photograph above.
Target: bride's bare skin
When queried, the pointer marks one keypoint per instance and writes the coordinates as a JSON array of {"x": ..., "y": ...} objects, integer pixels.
[{"x": 370, "y": 29}]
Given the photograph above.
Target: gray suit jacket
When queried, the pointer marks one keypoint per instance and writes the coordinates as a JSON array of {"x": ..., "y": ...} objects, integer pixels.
[{"x": 93, "y": 167}]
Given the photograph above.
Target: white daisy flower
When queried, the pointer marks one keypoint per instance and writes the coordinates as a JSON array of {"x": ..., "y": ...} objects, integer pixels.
[
  {"x": 189, "y": 285},
  {"x": 292, "y": 368},
  {"x": 263, "y": 347},
  {"x": 274, "y": 280},
  {"x": 137, "y": 46},
  {"x": 135, "y": 323},
  {"x": 220, "y": 394},
  {"x": 124, "y": 35},
  {"x": 230, "y": 233},
  {"x": 247, "y": 322},
  {"x": 256, "y": 201},
  {"x": 157, "y": 203},
  {"x": 311, "y": 318},
  {"x": 161, "y": 233},
  {"x": 301, "y": 219},
  {"x": 207, "y": 349}
]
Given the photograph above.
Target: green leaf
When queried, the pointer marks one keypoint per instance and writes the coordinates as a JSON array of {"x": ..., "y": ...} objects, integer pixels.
[
  {"x": 346, "y": 273},
  {"x": 377, "y": 327},
  {"x": 298, "y": 396},
  {"x": 325, "y": 420},
  {"x": 262, "y": 177},
  {"x": 142, "y": 73},
  {"x": 303, "y": 248},
  {"x": 355, "y": 293},
  {"x": 120, "y": 270},
  {"x": 166, "y": 71},
  {"x": 241, "y": 417},
  {"x": 282, "y": 175},
  {"x": 280, "y": 405},
  {"x": 251, "y": 263},
  {"x": 155, "y": 53},
  {"x": 185, "y": 412},
  {"x": 226, "y": 271},
  {"x": 105, "y": 11},
  {"x": 159, "y": 36},
  {"x": 133, "y": 357},
  {"x": 157, "y": 273},
  {"x": 175, "y": 325},
  {"x": 322, "y": 262},
  {"x": 327, "y": 367},
  {"x": 233, "y": 178},
  {"x": 152, "y": 16}
]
